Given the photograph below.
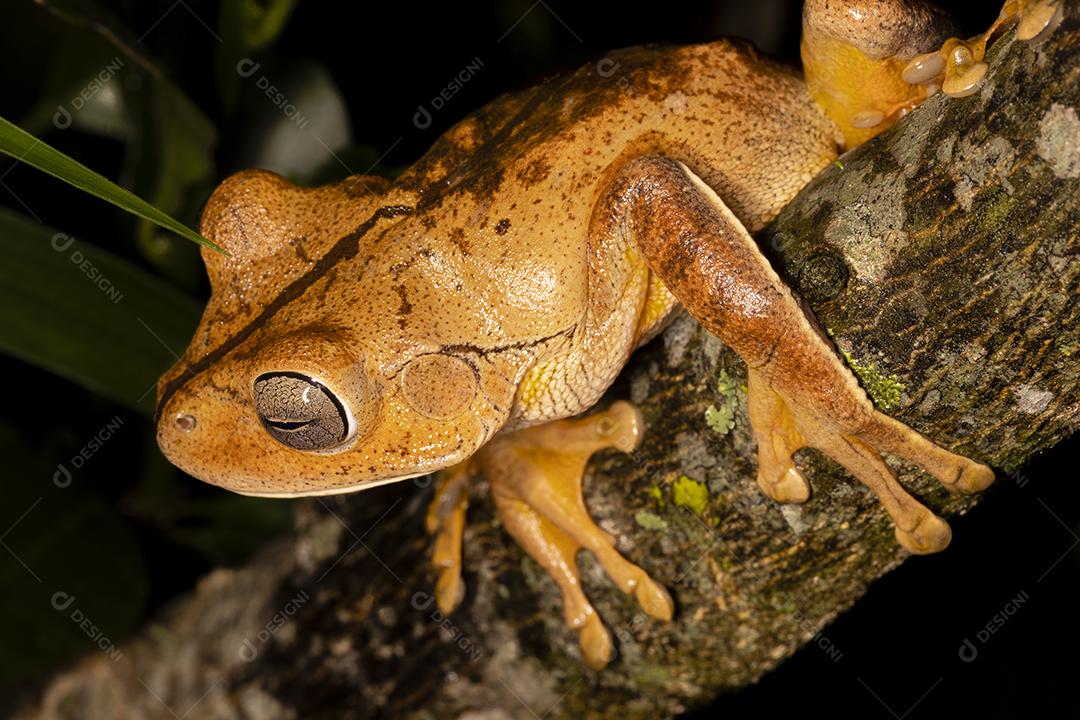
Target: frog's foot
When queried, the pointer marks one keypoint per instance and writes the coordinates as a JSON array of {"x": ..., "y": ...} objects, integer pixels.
[
  {"x": 783, "y": 425},
  {"x": 960, "y": 65},
  {"x": 446, "y": 520},
  {"x": 777, "y": 439},
  {"x": 536, "y": 478},
  {"x": 868, "y": 68}
]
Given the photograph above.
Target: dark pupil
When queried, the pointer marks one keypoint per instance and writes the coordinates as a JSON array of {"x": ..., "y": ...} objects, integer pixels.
[{"x": 299, "y": 411}]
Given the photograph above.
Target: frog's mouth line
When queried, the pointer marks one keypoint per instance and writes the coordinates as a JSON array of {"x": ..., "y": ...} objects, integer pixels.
[{"x": 334, "y": 490}]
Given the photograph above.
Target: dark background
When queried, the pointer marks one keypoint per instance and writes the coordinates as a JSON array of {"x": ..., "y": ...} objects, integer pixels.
[{"x": 132, "y": 533}]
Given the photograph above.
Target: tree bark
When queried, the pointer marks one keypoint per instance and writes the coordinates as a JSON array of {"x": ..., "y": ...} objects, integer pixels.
[{"x": 942, "y": 259}]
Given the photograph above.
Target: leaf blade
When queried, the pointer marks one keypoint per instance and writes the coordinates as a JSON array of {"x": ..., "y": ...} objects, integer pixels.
[{"x": 24, "y": 147}]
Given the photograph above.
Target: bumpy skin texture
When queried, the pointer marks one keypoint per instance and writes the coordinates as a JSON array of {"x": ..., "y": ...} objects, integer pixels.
[{"x": 479, "y": 251}]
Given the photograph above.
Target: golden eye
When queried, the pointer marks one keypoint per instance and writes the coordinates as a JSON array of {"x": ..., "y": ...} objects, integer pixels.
[
  {"x": 439, "y": 387},
  {"x": 300, "y": 412}
]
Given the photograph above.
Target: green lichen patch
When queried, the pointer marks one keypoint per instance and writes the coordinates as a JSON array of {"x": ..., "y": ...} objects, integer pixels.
[
  {"x": 649, "y": 521},
  {"x": 884, "y": 390},
  {"x": 691, "y": 494},
  {"x": 658, "y": 495},
  {"x": 721, "y": 417}
]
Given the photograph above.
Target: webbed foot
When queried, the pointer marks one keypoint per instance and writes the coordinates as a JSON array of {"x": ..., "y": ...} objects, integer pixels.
[
  {"x": 536, "y": 482},
  {"x": 856, "y": 438},
  {"x": 866, "y": 64}
]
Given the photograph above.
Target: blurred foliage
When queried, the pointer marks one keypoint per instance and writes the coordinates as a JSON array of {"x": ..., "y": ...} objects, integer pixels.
[
  {"x": 52, "y": 562},
  {"x": 96, "y": 319},
  {"x": 111, "y": 320}
]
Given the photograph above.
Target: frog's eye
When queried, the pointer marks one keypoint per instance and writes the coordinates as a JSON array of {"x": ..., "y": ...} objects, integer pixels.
[{"x": 300, "y": 411}]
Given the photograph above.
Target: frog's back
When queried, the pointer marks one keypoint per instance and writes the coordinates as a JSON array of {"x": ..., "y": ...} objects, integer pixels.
[{"x": 743, "y": 123}]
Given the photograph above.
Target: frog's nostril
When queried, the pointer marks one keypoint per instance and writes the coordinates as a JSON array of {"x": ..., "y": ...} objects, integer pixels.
[{"x": 185, "y": 423}]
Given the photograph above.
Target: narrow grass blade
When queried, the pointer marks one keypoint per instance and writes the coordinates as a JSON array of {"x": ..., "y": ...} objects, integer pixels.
[{"x": 23, "y": 146}]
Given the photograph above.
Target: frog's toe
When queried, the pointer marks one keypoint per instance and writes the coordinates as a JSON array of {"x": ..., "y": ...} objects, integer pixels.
[
  {"x": 955, "y": 472},
  {"x": 777, "y": 442},
  {"x": 654, "y": 599},
  {"x": 446, "y": 520},
  {"x": 1038, "y": 18},
  {"x": 597, "y": 646},
  {"x": 924, "y": 69},
  {"x": 917, "y": 528},
  {"x": 791, "y": 487},
  {"x": 964, "y": 67},
  {"x": 931, "y": 534},
  {"x": 974, "y": 478}
]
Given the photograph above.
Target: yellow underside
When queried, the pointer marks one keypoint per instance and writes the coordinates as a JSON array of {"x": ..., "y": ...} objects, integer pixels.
[{"x": 844, "y": 81}]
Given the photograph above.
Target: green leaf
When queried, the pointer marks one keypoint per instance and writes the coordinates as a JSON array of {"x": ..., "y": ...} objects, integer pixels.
[
  {"x": 171, "y": 163},
  {"x": 87, "y": 315},
  {"x": 23, "y": 146}
]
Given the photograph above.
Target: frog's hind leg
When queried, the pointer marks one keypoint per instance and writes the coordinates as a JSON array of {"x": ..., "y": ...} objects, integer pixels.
[
  {"x": 535, "y": 476},
  {"x": 801, "y": 393}
]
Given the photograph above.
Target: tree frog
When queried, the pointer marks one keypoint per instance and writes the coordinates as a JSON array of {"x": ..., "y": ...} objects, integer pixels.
[{"x": 456, "y": 319}]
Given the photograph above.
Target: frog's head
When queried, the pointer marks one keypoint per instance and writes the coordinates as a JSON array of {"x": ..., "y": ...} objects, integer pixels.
[{"x": 324, "y": 364}]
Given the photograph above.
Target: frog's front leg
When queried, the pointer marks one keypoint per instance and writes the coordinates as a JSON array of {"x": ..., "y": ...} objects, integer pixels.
[
  {"x": 959, "y": 65},
  {"x": 535, "y": 476},
  {"x": 801, "y": 394},
  {"x": 868, "y": 62},
  {"x": 446, "y": 520}
]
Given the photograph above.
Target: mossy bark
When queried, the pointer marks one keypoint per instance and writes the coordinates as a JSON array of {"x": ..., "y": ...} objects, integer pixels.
[{"x": 942, "y": 258}]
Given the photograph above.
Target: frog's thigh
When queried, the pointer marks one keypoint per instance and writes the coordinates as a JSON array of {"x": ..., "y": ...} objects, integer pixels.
[
  {"x": 536, "y": 477},
  {"x": 801, "y": 394}
]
